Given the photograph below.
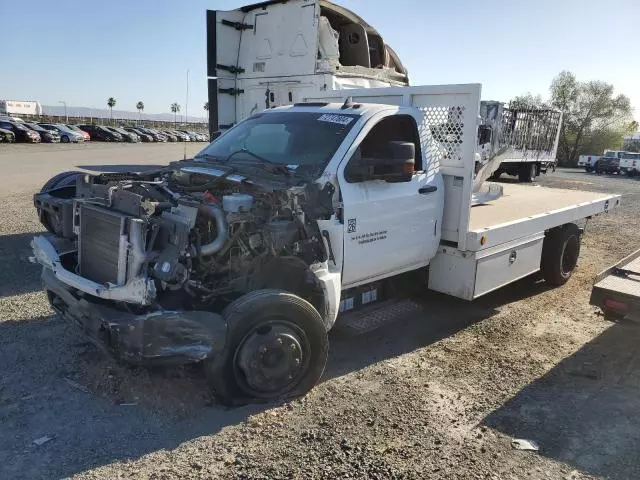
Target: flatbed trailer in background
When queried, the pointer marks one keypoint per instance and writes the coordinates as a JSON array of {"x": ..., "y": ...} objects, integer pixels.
[{"x": 617, "y": 290}]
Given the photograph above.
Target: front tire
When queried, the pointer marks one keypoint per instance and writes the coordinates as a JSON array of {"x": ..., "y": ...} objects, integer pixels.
[
  {"x": 560, "y": 252},
  {"x": 65, "y": 139},
  {"x": 277, "y": 348}
]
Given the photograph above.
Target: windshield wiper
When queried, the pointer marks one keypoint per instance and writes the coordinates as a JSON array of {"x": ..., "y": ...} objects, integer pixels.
[
  {"x": 206, "y": 156},
  {"x": 251, "y": 154},
  {"x": 273, "y": 167}
]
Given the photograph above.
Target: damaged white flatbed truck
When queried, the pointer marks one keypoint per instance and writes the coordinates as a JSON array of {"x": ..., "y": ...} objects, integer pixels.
[{"x": 297, "y": 219}]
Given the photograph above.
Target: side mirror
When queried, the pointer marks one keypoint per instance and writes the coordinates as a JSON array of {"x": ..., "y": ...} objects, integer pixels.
[{"x": 396, "y": 163}]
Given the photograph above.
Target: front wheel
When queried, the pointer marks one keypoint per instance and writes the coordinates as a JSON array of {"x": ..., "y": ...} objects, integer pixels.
[
  {"x": 277, "y": 348},
  {"x": 560, "y": 252},
  {"x": 588, "y": 169},
  {"x": 65, "y": 139}
]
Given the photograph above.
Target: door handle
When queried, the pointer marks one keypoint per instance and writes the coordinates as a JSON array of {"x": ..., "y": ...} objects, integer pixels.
[{"x": 429, "y": 189}]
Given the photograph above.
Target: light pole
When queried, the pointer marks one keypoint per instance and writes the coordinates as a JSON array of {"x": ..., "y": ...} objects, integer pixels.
[{"x": 66, "y": 117}]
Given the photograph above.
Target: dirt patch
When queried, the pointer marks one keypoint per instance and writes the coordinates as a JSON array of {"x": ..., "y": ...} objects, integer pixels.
[{"x": 440, "y": 396}]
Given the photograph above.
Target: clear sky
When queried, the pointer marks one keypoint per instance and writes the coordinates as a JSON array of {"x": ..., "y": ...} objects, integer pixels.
[{"x": 84, "y": 51}]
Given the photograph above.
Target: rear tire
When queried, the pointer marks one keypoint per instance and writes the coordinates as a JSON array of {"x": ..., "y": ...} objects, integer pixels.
[
  {"x": 560, "y": 252},
  {"x": 527, "y": 172},
  {"x": 588, "y": 169},
  {"x": 277, "y": 348}
]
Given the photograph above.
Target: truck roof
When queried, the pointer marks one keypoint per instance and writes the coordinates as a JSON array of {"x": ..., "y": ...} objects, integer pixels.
[{"x": 360, "y": 109}]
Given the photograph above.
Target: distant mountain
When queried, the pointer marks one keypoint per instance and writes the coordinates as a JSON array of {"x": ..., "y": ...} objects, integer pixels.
[{"x": 58, "y": 110}]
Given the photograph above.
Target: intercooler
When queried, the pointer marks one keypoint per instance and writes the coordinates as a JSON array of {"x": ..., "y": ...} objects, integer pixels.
[{"x": 111, "y": 245}]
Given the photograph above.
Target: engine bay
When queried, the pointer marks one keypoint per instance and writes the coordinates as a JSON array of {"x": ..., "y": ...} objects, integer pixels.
[{"x": 202, "y": 236}]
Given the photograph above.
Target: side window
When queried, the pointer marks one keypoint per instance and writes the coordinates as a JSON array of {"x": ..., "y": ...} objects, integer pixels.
[{"x": 401, "y": 128}]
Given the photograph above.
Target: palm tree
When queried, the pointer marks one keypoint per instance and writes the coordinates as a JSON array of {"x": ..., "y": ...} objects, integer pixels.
[
  {"x": 175, "y": 108},
  {"x": 206, "y": 106},
  {"x": 140, "y": 107},
  {"x": 111, "y": 102}
]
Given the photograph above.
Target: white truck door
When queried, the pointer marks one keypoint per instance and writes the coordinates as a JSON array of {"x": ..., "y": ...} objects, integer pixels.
[
  {"x": 224, "y": 34},
  {"x": 389, "y": 227}
]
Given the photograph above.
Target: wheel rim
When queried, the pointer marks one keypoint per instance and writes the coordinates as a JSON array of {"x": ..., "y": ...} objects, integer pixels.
[
  {"x": 271, "y": 359},
  {"x": 570, "y": 255}
]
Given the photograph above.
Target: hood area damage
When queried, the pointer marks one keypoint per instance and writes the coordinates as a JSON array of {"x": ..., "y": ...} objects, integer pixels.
[{"x": 140, "y": 260}]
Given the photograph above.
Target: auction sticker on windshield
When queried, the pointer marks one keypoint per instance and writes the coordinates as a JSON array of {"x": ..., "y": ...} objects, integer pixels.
[{"x": 332, "y": 118}]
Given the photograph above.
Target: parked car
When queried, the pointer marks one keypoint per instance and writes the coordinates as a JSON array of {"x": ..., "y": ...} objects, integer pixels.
[
  {"x": 75, "y": 128},
  {"x": 7, "y": 136},
  {"x": 587, "y": 162},
  {"x": 630, "y": 163},
  {"x": 126, "y": 136},
  {"x": 182, "y": 137},
  {"x": 66, "y": 134},
  {"x": 22, "y": 133},
  {"x": 607, "y": 165},
  {"x": 98, "y": 132},
  {"x": 171, "y": 137},
  {"x": 144, "y": 137},
  {"x": 48, "y": 136},
  {"x": 192, "y": 135},
  {"x": 157, "y": 136}
]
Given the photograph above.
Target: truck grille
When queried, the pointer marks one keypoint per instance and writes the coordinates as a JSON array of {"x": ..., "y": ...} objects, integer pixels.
[{"x": 99, "y": 251}]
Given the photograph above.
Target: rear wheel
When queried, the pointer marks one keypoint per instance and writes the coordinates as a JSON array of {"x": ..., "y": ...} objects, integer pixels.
[
  {"x": 527, "y": 172},
  {"x": 277, "y": 348},
  {"x": 496, "y": 175},
  {"x": 560, "y": 252},
  {"x": 588, "y": 169}
]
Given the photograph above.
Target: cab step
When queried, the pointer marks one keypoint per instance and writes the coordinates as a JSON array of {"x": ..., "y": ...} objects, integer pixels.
[{"x": 375, "y": 316}]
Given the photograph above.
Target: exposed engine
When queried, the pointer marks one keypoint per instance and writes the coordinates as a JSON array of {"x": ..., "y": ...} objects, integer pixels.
[{"x": 201, "y": 238}]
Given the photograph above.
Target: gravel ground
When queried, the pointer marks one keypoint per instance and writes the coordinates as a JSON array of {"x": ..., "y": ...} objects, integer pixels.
[{"x": 436, "y": 396}]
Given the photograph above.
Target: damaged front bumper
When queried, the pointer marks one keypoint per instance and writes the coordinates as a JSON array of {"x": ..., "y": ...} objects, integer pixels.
[
  {"x": 141, "y": 290},
  {"x": 158, "y": 337}
]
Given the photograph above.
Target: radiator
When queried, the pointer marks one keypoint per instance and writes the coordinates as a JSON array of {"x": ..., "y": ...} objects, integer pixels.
[{"x": 102, "y": 245}]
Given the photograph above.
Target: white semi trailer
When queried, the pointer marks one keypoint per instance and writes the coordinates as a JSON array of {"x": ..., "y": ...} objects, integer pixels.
[{"x": 277, "y": 53}]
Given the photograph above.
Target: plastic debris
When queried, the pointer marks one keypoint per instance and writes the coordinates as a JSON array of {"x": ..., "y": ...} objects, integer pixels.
[
  {"x": 523, "y": 444},
  {"x": 76, "y": 385},
  {"x": 42, "y": 440}
]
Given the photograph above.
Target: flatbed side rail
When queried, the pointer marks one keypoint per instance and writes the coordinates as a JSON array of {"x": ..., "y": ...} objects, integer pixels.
[{"x": 529, "y": 225}]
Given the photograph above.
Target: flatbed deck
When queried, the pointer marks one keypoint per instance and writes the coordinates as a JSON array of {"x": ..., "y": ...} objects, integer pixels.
[
  {"x": 526, "y": 210},
  {"x": 617, "y": 289}
]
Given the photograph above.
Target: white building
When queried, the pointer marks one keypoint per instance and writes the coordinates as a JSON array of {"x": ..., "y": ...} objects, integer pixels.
[{"x": 20, "y": 107}]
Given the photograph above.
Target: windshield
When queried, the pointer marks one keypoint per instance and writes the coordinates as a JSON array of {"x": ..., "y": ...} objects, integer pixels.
[
  {"x": 285, "y": 138},
  {"x": 33, "y": 126},
  {"x": 631, "y": 156}
]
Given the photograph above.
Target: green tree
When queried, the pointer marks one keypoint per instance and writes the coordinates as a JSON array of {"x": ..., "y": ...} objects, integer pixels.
[
  {"x": 140, "y": 107},
  {"x": 593, "y": 116},
  {"x": 111, "y": 102},
  {"x": 175, "y": 108}
]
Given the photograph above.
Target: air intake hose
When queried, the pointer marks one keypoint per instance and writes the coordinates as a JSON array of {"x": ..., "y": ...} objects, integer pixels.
[{"x": 221, "y": 227}]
